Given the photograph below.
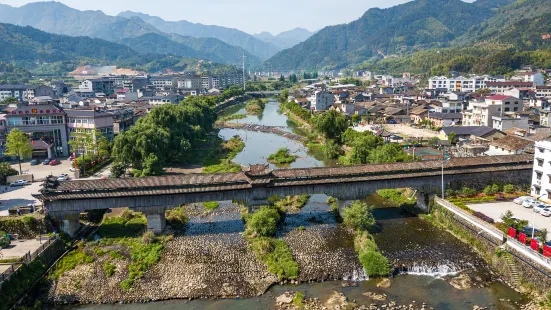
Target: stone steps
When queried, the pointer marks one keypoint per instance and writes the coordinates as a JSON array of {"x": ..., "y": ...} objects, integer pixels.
[{"x": 515, "y": 277}]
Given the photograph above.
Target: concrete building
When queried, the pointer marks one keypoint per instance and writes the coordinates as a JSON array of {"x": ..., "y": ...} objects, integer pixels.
[
  {"x": 34, "y": 91},
  {"x": 123, "y": 119},
  {"x": 462, "y": 84},
  {"x": 480, "y": 113},
  {"x": 101, "y": 85},
  {"x": 534, "y": 77},
  {"x": 509, "y": 145},
  {"x": 46, "y": 126},
  {"x": 541, "y": 177},
  {"x": 510, "y": 121},
  {"x": 545, "y": 118},
  {"x": 543, "y": 91},
  {"x": 449, "y": 107},
  {"x": 160, "y": 100},
  {"x": 18, "y": 91},
  {"x": 499, "y": 88},
  {"x": 322, "y": 101},
  {"x": 444, "y": 119},
  {"x": 163, "y": 81},
  {"x": 90, "y": 119}
]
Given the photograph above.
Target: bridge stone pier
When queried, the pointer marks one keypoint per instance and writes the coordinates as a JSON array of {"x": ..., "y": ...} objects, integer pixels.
[{"x": 154, "y": 195}]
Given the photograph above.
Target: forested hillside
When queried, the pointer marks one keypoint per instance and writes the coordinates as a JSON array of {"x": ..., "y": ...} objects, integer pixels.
[{"x": 398, "y": 30}]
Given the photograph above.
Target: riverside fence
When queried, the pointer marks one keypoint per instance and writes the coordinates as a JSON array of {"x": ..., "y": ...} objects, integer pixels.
[{"x": 28, "y": 257}]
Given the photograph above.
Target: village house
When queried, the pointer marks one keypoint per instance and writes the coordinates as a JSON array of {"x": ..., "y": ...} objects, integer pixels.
[
  {"x": 483, "y": 133},
  {"x": 509, "y": 145},
  {"x": 480, "y": 113},
  {"x": 322, "y": 101},
  {"x": 444, "y": 119}
]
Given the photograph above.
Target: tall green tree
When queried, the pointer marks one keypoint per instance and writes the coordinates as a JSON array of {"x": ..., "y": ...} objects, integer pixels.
[
  {"x": 331, "y": 124},
  {"x": 5, "y": 171},
  {"x": 17, "y": 144}
]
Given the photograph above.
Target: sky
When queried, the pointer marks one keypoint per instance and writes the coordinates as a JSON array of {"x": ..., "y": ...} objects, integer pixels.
[{"x": 252, "y": 16}]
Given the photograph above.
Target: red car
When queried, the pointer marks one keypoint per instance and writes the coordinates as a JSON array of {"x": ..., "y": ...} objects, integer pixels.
[{"x": 54, "y": 162}]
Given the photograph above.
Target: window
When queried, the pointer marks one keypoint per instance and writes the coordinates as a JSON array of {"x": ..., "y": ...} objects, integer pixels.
[
  {"x": 515, "y": 109},
  {"x": 540, "y": 162},
  {"x": 538, "y": 176},
  {"x": 541, "y": 150}
]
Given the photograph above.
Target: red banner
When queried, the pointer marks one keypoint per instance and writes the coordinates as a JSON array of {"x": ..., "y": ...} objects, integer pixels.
[
  {"x": 546, "y": 251},
  {"x": 534, "y": 244},
  {"x": 512, "y": 232},
  {"x": 522, "y": 238}
]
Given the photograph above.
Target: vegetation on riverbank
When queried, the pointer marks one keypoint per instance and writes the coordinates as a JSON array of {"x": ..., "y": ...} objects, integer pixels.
[
  {"x": 211, "y": 205},
  {"x": 275, "y": 253},
  {"x": 27, "y": 226},
  {"x": 121, "y": 238},
  {"x": 290, "y": 202},
  {"x": 219, "y": 160},
  {"x": 177, "y": 217},
  {"x": 20, "y": 282},
  {"x": 282, "y": 156},
  {"x": 359, "y": 217},
  {"x": 255, "y": 106},
  {"x": 231, "y": 117},
  {"x": 397, "y": 196}
]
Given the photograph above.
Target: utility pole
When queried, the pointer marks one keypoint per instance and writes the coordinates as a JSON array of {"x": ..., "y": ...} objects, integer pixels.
[{"x": 244, "y": 82}]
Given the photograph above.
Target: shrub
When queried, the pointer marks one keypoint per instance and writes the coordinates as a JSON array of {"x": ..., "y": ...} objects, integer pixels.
[
  {"x": 374, "y": 263},
  {"x": 211, "y": 205},
  {"x": 4, "y": 240},
  {"x": 148, "y": 237},
  {"x": 466, "y": 191},
  {"x": 264, "y": 222},
  {"x": 129, "y": 224},
  {"x": 450, "y": 193},
  {"x": 176, "y": 217},
  {"x": 508, "y": 188},
  {"x": 298, "y": 300},
  {"x": 483, "y": 217},
  {"x": 359, "y": 216},
  {"x": 496, "y": 188},
  {"x": 109, "y": 269},
  {"x": 488, "y": 190},
  {"x": 282, "y": 156},
  {"x": 276, "y": 255},
  {"x": 331, "y": 200}
]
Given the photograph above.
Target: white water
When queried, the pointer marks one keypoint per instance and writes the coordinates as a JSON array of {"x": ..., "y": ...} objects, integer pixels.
[
  {"x": 356, "y": 276},
  {"x": 441, "y": 270}
]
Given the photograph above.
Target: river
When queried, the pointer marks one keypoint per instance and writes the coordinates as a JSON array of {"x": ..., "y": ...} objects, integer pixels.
[{"x": 430, "y": 256}]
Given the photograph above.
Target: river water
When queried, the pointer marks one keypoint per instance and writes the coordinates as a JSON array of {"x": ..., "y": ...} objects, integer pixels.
[{"x": 429, "y": 256}]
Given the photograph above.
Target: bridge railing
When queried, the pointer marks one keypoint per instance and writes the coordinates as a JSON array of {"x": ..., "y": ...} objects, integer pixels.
[{"x": 484, "y": 226}]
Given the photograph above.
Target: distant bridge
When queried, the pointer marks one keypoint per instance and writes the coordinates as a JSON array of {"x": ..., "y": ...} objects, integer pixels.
[
  {"x": 153, "y": 195},
  {"x": 263, "y": 93}
]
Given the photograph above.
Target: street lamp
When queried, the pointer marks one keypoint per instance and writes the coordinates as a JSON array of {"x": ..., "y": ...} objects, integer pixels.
[{"x": 534, "y": 220}]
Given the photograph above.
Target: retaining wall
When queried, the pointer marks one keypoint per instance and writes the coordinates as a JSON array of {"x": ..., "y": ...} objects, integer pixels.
[{"x": 493, "y": 251}]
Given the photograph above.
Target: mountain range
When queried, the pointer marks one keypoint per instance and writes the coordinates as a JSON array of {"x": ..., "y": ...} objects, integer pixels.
[
  {"x": 286, "y": 39},
  {"x": 399, "y": 30}
]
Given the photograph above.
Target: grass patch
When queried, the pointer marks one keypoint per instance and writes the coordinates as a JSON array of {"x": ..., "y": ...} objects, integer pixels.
[
  {"x": 396, "y": 196},
  {"x": 277, "y": 256},
  {"x": 290, "y": 202},
  {"x": 219, "y": 160},
  {"x": 176, "y": 217},
  {"x": 129, "y": 224},
  {"x": 282, "y": 156},
  {"x": 298, "y": 300},
  {"x": 211, "y": 205},
  {"x": 255, "y": 106},
  {"x": 232, "y": 117},
  {"x": 70, "y": 261},
  {"x": 109, "y": 269},
  {"x": 374, "y": 263}
]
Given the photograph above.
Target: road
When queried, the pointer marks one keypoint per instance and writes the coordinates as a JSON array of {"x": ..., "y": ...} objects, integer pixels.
[{"x": 496, "y": 209}]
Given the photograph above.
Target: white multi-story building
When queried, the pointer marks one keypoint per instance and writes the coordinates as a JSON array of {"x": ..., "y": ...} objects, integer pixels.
[
  {"x": 481, "y": 113},
  {"x": 534, "y": 77},
  {"x": 543, "y": 91},
  {"x": 18, "y": 91},
  {"x": 541, "y": 176},
  {"x": 462, "y": 84},
  {"x": 322, "y": 101}
]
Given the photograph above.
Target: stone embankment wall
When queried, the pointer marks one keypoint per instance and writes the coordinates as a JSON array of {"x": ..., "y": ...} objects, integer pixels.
[{"x": 515, "y": 269}]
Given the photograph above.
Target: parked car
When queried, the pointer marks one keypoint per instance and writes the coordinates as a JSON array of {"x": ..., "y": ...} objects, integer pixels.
[
  {"x": 46, "y": 161},
  {"x": 521, "y": 199},
  {"x": 35, "y": 162},
  {"x": 54, "y": 162},
  {"x": 539, "y": 206},
  {"x": 546, "y": 212},
  {"x": 72, "y": 169},
  {"x": 19, "y": 183},
  {"x": 528, "y": 203}
]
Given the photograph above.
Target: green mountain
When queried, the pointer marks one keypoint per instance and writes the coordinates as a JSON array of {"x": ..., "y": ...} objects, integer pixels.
[
  {"x": 286, "y": 39},
  {"x": 44, "y": 52},
  {"x": 230, "y": 36},
  {"x": 58, "y": 18},
  {"x": 399, "y": 30},
  {"x": 202, "y": 48},
  {"x": 519, "y": 24}
]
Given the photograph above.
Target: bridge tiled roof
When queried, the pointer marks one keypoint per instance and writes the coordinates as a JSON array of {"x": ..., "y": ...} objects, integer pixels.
[{"x": 196, "y": 183}]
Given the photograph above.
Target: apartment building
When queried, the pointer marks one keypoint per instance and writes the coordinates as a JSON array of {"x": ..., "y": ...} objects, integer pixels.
[
  {"x": 481, "y": 113},
  {"x": 462, "y": 84},
  {"x": 541, "y": 176}
]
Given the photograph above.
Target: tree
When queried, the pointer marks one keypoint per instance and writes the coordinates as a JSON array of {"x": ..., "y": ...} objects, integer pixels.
[
  {"x": 452, "y": 137},
  {"x": 331, "y": 124},
  {"x": 4, "y": 240},
  {"x": 389, "y": 153},
  {"x": 363, "y": 146},
  {"x": 5, "y": 171},
  {"x": 282, "y": 78},
  {"x": 17, "y": 144},
  {"x": 434, "y": 142},
  {"x": 510, "y": 221},
  {"x": 264, "y": 222},
  {"x": 359, "y": 216}
]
